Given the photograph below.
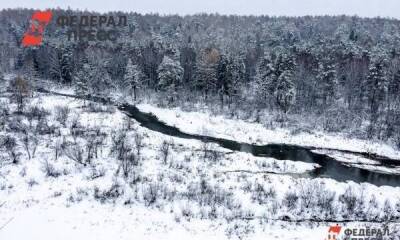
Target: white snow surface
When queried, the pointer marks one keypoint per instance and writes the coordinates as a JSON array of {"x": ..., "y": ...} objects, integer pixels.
[{"x": 38, "y": 207}]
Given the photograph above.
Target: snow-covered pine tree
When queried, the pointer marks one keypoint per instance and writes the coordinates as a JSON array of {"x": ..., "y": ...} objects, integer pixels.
[
  {"x": 82, "y": 80},
  {"x": 266, "y": 79},
  {"x": 284, "y": 62},
  {"x": 170, "y": 75},
  {"x": 236, "y": 68},
  {"x": 60, "y": 62},
  {"x": 55, "y": 64},
  {"x": 206, "y": 71},
  {"x": 376, "y": 90},
  {"x": 2, "y": 79},
  {"x": 376, "y": 84},
  {"x": 188, "y": 61},
  {"x": 285, "y": 91},
  {"x": 66, "y": 64},
  {"x": 230, "y": 73},
  {"x": 133, "y": 78},
  {"x": 223, "y": 76},
  {"x": 393, "y": 106},
  {"x": 99, "y": 81},
  {"x": 275, "y": 79},
  {"x": 394, "y": 89},
  {"x": 327, "y": 80},
  {"x": 342, "y": 33}
]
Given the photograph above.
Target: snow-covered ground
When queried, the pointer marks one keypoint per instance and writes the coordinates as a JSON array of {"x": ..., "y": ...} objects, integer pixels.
[
  {"x": 243, "y": 131},
  {"x": 187, "y": 196},
  {"x": 95, "y": 221}
]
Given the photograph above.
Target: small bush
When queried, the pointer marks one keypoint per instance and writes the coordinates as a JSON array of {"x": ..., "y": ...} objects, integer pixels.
[
  {"x": 290, "y": 200},
  {"x": 32, "y": 182},
  {"x": 112, "y": 194},
  {"x": 209, "y": 153},
  {"x": 36, "y": 112},
  {"x": 119, "y": 143},
  {"x": 76, "y": 152},
  {"x": 349, "y": 200},
  {"x": 61, "y": 114},
  {"x": 128, "y": 162},
  {"x": 11, "y": 146},
  {"x": 50, "y": 170},
  {"x": 150, "y": 193},
  {"x": 43, "y": 127},
  {"x": 15, "y": 124},
  {"x": 261, "y": 195}
]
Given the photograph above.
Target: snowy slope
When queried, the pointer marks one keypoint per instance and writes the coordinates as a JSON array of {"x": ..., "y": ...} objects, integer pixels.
[{"x": 97, "y": 202}]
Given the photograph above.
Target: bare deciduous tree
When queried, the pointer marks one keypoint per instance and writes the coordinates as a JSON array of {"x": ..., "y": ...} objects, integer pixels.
[
  {"x": 165, "y": 150},
  {"x": 21, "y": 90},
  {"x": 11, "y": 146},
  {"x": 138, "y": 143}
]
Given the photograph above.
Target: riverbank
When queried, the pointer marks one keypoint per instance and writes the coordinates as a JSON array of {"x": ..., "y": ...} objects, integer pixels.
[{"x": 205, "y": 123}]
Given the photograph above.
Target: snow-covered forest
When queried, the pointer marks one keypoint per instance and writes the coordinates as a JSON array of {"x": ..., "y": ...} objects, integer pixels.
[
  {"x": 169, "y": 131},
  {"x": 341, "y": 71}
]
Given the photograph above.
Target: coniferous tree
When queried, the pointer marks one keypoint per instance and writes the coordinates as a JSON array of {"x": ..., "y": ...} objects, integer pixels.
[
  {"x": 66, "y": 64},
  {"x": 1, "y": 76},
  {"x": 332, "y": 71},
  {"x": 236, "y": 69},
  {"x": 285, "y": 88},
  {"x": 327, "y": 80},
  {"x": 60, "y": 60},
  {"x": 133, "y": 78},
  {"x": 206, "y": 73},
  {"x": 170, "y": 75},
  {"x": 55, "y": 65},
  {"x": 223, "y": 76},
  {"x": 188, "y": 61},
  {"x": 82, "y": 80},
  {"x": 376, "y": 84},
  {"x": 266, "y": 79},
  {"x": 394, "y": 90},
  {"x": 100, "y": 82},
  {"x": 376, "y": 91},
  {"x": 285, "y": 91}
]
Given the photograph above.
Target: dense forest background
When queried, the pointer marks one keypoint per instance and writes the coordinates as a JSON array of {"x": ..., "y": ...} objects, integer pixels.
[{"x": 340, "y": 73}]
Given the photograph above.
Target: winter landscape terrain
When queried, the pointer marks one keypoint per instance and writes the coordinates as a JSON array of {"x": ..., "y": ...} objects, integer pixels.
[{"x": 175, "y": 132}]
